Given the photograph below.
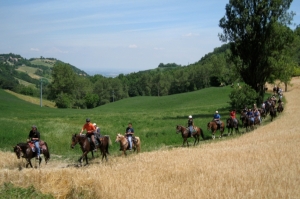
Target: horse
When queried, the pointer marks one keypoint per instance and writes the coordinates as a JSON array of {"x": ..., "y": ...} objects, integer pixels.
[
  {"x": 232, "y": 125},
  {"x": 272, "y": 112},
  {"x": 185, "y": 134},
  {"x": 86, "y": 146},
  {"x": 27, "y": 152},
  {"x": 280, "y": 107},
  {"x": 263, "y": 113},
  {"x": 213, "y": 127},
  {"x": 124, "y": 145}
]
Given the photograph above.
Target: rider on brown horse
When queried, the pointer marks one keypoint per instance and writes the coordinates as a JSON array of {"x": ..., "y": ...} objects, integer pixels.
[
  {"x": 217, "y": 119},
  {"x": 191, "y": 125},
  {"x": 233, "y": 117},
  {"x": 90, "y": 129},
  {"x": 34, "y": 137}
]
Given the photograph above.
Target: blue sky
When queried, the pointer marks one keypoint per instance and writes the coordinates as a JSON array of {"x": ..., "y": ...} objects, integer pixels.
[{"x": 114, "y": 36}]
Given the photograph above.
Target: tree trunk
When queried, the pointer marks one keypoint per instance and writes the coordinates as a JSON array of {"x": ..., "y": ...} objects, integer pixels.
[{"x": 285, "y": 86}]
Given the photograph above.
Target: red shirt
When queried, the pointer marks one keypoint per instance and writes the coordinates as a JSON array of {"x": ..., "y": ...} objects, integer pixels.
[{"x": 232, "y": 114}]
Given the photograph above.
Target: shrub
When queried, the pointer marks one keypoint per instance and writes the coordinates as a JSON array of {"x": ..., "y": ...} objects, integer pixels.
[{"x": 242, "y": 96}]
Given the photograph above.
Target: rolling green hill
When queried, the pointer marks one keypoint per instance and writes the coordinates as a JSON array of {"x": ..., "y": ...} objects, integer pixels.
[{"x": 154, "y": 119}]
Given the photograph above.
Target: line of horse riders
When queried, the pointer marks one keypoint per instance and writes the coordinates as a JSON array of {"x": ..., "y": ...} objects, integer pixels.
[
  {"x": 249, "y": 119},
  {"x": 93, "y": 140}
]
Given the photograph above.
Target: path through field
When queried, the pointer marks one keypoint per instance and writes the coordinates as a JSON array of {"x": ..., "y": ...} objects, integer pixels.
[{"x": 264, "y": 163}]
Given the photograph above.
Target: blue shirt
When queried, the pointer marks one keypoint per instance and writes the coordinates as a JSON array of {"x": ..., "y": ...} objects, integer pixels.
[{"x": 217, "y": 116}]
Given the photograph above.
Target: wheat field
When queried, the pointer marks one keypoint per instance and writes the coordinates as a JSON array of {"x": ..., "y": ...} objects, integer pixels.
[{"x": 264, "y": 163}]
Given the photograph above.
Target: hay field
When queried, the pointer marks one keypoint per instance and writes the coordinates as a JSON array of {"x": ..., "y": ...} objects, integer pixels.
[
  {"x": 264, "y": 163},
  {"x": 33, "y": 100}
]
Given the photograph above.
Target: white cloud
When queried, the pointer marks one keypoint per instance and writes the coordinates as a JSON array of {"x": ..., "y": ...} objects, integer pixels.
[
  {"x": 191, "y": 35},
  {"x": 35, "y": 49},
  {"x": 132, "y": 46},
  {"x": 57, "y": 50}
]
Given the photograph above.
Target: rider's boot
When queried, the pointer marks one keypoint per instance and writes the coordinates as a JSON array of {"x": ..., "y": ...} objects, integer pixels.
[{"x": 95, "y": 147}]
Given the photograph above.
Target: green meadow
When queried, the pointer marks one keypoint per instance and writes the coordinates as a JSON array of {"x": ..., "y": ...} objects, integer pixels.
[{"x": 154, "y": 120}]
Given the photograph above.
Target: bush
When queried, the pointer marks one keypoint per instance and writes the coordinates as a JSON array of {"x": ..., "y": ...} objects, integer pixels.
[{"x": 243, "y": 96}]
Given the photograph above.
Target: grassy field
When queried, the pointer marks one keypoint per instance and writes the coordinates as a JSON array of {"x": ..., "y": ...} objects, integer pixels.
[
  {"x": 154, "y": 119},
  {"x": 44, "y": 62},
  {"x": 260, "y": 164},
  {"x": 25, "y": 83}
]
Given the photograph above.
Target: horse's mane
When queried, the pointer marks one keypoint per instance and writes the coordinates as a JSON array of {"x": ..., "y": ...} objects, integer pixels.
[{"x": 23, "y": 146}]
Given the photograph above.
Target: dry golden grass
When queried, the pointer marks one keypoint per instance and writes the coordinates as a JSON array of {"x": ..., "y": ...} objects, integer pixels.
[
  {"x": 261, "y": 164},
  {"x": 33, "y": 100}
]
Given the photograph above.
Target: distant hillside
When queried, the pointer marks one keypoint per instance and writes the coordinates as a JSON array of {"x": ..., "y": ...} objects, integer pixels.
[{"x": 30, "y": 71}]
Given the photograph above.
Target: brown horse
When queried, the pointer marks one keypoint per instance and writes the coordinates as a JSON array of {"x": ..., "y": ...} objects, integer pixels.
[
  {"x": 124, "y": 145},
  {"x": 230, "y": 124},
  {"x": 26, "y": 151},
  {"x": 280, "y": 107},
  {"x": 86, "y": 146},
  {"x": 213, "y": 127},
  {"x": 185, "y": 134}
]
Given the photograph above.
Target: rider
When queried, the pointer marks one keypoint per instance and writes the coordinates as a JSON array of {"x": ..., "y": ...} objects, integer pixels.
[
  {"x": 129, "y": 133},
  {"x": 263, "y": 107},
  {"x": 97, "y": 132},
  {"x": 90, "y": 129},
  {"x": 34, "y": 137},
  {"x": 250, "y": 115},
  {"x": 233, "y": 116},
  {"x": 191, "y": 125},
  {"x": 257, "y": 115},
  {"x": 217, "y": 118}
]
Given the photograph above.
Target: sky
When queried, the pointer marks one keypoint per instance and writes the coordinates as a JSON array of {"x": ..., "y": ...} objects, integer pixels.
[{"x": 114, "y": 36}]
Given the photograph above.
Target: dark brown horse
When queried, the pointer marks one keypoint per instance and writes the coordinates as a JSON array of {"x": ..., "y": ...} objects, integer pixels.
[
  {"x": 213, "y": 127},
  {"x": 124, "y": 145},
  {"x": 280, "y": 107},
  {"x": 185, "y": 134},
  {"x": 273, "y": 112},
  {"x": 24, "y": 150},
  {"x": 230, "y": 124},
  {"x": 86, "y": 146}
]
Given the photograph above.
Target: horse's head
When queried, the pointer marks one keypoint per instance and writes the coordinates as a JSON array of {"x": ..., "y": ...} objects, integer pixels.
[
  {"x": 119, "y": 137},
  {"x": 178, "y": 128},
  {"x": 208, "y": 125},
  {"x": 229, "y": 121},
  {"x": 17, "y": 150},
  {"x": 74, "y": 140}
]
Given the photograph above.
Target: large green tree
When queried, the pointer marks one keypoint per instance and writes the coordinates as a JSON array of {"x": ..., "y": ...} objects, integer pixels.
[{"x": 257, "y": 33}]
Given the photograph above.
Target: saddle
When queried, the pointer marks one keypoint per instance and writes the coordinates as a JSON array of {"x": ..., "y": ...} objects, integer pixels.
[
  {"x": 42, "y": 145},
  {"x": 218, "y": 124}
]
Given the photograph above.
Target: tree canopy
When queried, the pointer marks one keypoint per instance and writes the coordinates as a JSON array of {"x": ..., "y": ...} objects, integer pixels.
[{"x": 258, "y": 33}]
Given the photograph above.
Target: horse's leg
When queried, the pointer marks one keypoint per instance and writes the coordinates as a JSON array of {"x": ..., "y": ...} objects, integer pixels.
[
  {"x": 29, "y": 161},
  {"x": 213, "y": 134},
  {"x": 184, "y": 139}
]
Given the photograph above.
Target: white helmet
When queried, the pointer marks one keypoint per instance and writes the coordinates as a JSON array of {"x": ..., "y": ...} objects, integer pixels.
[
  {"x": 95, "y": 124},
  {"x": 217, "y": 112},
  {"x": 190, "y": 116}
]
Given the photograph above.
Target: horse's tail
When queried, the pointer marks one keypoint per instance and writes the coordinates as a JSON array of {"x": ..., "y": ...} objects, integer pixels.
[
  {"x": 47, "y": 153},
  {"x": 201, "y": 133},
  {"x": 138, "y": 144},
  {"x": 108, "y": 143},
  {"x": 109, "y": 140}
]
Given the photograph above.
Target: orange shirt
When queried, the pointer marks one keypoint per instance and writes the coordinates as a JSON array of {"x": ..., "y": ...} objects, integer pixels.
[{"x": 89, "y": 127}]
